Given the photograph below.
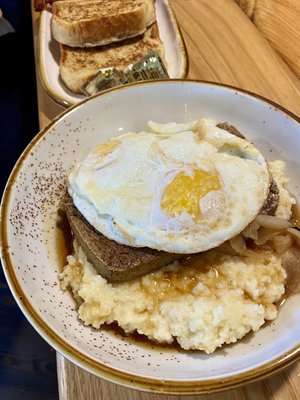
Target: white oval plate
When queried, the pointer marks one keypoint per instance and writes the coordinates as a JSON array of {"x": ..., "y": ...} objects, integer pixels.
[
  {"x": 31, "y": 259},
  {"x": 49, "y": 53}
]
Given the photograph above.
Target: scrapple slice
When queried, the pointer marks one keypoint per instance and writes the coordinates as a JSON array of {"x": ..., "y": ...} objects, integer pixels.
[{"x": 114, "y": 261}]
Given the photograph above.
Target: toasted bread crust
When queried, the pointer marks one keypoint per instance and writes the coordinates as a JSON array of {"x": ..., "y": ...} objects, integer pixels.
[
  {"x": 114, "y": 261},
  {"x": 95, "y": 23},
  {"x": 78, "y": 65}
]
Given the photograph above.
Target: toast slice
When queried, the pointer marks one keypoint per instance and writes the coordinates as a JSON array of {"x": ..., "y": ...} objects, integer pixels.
[
  {"x": 78, "y": 65},
  {"x": 83, "y": 23},
  {"x": 114, "y": 261}
]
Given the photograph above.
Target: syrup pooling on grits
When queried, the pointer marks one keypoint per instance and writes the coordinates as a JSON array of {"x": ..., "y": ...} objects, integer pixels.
[
  {"x": 183, "y": 279},
  {"x": 194, "y": 306},
  {"x": 182, "y": 188}
]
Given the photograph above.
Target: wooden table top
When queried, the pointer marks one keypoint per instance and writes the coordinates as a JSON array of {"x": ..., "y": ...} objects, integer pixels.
[{"x": 223, "y": 46}]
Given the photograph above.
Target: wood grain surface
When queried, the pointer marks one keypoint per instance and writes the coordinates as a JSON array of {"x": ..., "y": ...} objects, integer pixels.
[
  {"x": 223, "y": 46},
  {"x": 279, "y": 22}
]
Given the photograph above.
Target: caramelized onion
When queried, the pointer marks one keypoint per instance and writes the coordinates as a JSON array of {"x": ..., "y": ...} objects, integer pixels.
[
  {"x": 295, "y": 233},
  {"x": 238, "y": 244},
  {"x": 270, "y": 222},
  {"x": 226, "y": 248},
  {"x": 251, "y": 231},
  {"x": 282, "y": 243},
  {"x": 291, "y": 263},
  {"x": 265, "y": 228},
  {"x": 265, "y": 234},
  {"x": 291, "y": 259}
]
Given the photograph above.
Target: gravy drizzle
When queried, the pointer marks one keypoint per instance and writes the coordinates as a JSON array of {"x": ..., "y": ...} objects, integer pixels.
[{"x": 291, "y": 263}]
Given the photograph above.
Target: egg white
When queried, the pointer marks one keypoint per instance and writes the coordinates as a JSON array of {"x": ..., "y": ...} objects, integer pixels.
[{"x": 120, "y": 193}]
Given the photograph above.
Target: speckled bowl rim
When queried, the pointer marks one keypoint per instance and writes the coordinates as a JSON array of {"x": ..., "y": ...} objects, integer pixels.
[{"x": 176, "y": 387}]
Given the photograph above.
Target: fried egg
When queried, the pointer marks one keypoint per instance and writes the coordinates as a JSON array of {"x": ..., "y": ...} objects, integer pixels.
[{"x": 181, "y": 188}]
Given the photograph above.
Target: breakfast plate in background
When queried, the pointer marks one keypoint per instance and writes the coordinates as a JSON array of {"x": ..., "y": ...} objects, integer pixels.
[
  {"x": 34, "y": 245},
  {"x": 49, "y": 53}
]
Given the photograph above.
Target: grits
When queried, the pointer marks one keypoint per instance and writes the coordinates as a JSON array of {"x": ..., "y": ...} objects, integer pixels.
[
  {"x": 212, "y": 299},
  {"x": 202, "y": 308}
]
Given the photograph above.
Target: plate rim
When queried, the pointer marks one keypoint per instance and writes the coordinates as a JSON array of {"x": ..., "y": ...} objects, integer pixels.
[
  {"x": 60, "y": 99},
  {"x": 176, "y": 387}
]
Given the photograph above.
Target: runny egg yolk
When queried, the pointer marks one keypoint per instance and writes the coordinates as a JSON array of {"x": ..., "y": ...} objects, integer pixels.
[
  {"x": 105, "y": 148},
  {"x": 184, "y": 192}
]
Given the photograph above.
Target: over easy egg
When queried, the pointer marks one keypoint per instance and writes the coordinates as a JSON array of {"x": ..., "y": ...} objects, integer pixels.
[{"x": 181, "y": 188}]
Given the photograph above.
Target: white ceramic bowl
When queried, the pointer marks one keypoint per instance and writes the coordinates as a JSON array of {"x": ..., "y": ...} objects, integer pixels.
[{"x": 30, "y": 237}]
